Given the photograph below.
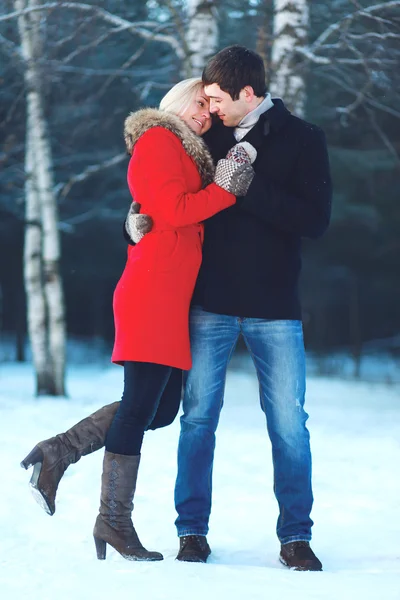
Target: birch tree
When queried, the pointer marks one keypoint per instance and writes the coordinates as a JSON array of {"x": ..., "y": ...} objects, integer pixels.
[
  {"x": 201, "y": 35},
  {"x": 291, "y": 23},
  {"x": 46, "y": 320},
  {"x": 33, "y": 277}
]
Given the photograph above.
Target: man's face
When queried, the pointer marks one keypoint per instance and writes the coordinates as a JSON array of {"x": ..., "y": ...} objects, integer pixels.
[{"x": 231, "y": 112}]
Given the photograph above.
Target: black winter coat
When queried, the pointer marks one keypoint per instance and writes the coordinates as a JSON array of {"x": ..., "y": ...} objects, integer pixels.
[{"x": 251, "y": 252}]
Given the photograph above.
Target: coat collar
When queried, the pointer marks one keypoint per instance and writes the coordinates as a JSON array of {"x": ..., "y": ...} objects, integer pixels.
[
  {"x": 277, "y": 115},
  {"x": 273, "y": 119},
  {"x": 137, "y": 123}
]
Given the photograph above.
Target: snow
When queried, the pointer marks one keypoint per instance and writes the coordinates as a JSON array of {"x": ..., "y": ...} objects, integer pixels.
[{"x": 355, "y": 435}]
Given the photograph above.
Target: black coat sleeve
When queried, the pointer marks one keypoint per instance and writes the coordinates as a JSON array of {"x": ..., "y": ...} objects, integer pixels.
[{"x": 306, "y": 211}]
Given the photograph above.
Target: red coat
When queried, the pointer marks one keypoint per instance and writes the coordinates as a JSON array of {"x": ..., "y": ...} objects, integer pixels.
[{"x": 152, "y": 298}]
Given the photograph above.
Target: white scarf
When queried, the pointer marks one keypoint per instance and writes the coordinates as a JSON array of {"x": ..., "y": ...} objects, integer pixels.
[{"x": 252, "y": 117}]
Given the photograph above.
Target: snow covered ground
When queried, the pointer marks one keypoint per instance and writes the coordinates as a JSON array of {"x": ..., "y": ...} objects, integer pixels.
[{"x": 355, "y": 429}]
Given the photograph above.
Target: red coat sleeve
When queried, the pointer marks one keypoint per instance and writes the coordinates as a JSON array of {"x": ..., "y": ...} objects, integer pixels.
[{"x": 157, "y": 157}]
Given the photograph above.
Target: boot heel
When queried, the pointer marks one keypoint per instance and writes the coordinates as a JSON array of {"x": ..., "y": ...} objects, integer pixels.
[
  {"x": 101, "y": 548},
  {"x": 37, "y": 468},
  {"x": 35, "y": 456}
]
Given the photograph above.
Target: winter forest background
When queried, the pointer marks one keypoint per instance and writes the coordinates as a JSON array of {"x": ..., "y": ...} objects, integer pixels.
[{"x": 70, "y": 72}]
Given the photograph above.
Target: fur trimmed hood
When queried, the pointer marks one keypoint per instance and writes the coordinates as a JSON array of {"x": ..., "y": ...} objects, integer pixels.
[{"x": 142, "y": 120}]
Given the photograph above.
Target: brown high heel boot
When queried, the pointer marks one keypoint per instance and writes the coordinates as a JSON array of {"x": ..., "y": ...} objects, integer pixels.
[
  {"x": 51, "y": 458},
  {"x": 114, "y": 524}
]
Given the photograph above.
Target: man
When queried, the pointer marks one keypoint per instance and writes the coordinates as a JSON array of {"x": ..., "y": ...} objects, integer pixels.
[{"x": 248, "y": 284}]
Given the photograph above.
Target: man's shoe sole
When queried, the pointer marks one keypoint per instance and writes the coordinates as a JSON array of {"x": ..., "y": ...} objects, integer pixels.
[
  {"x": 192, "y": 559},
  {"x": 282, "y": 560}
]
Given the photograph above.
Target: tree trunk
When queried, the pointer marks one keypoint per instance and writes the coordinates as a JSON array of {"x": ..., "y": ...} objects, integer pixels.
[
  {"x": 355, "y": 324},
  {"x": 201, "y": 36},
  {"x": 264, "y": 35},
  {"x": 46, "y": 321},
  {"x": 50, "y": 248},
  {"x": 291, "y": 23},
  {"x": 36, "y": 304},
  {"x": 20, "y": 327}
]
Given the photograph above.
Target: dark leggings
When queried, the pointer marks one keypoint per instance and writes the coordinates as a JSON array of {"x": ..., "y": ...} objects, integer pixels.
[{"x": 150, "y": 400}]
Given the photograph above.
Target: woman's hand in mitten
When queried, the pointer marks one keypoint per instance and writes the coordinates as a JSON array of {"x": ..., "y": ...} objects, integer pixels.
[
  {"x": 235, "y": 173},
  {"x": 137, "y": 225}
]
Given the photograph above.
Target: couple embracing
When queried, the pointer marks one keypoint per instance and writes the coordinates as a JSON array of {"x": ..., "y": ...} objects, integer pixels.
[{"x": 214, "y": 252}]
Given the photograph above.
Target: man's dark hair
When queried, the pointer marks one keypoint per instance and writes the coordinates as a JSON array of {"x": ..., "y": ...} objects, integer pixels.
[{"x": 235, "y": 67}]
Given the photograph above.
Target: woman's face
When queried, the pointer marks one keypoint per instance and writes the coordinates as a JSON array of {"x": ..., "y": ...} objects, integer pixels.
[{"x": 197, "y": 115}]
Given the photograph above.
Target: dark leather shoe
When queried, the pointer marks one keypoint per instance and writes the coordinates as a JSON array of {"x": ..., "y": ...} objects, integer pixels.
[
  {"x": 193, "y": 548},
  {"x": 299, "y": 557}
]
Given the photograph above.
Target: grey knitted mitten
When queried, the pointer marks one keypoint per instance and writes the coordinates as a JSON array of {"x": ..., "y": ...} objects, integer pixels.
[
  {"x": 235, "y": 173},
  {"x": 137, "y": 225},
  {"x": 243, "y": 153}
]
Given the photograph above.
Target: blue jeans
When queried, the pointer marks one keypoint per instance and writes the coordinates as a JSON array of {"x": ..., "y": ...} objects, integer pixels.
[{"x": 277, "y": 350}]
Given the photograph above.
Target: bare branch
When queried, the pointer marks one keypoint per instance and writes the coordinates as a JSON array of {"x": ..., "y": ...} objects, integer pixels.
[
  {"x": 325, "y": 60},
  {"x": 373, "y": 35},
  {"x": 149, "y": 85},
  {"x": 125, "y": 66},
  {"x": 101, "y": 38},
  {"x": 138, "y": 72},
  {"x": 361, "y": 95},
  {"x": 63, "y": 189},
  {"x": 365, "y": 12},
  {"x": 73, "y": 35},
  {"x": 98, "y": 211},
  {"x": 370, "y": 101},
  {"x": 11, "y": 48},
  {"x": 355, "y": 54},
  {"x": 382, "y": 135},
  {"x": 108, "y": 18},
  {"x": 12, "y": 109},
  {"x": 93, "y": 44},
  {"x": 360, "y": 99}
]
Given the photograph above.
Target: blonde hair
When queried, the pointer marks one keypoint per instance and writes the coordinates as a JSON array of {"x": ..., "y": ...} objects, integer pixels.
[{"x": 178, "y": 99}]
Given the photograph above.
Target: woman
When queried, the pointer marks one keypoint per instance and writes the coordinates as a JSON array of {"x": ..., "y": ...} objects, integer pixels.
[{"x": 171, "y": 175}]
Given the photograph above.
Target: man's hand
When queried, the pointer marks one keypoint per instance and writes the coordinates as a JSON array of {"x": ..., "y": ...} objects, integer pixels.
[
  {"x": 137, "y": 225},
  {"x": 235, "y": 173}
]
